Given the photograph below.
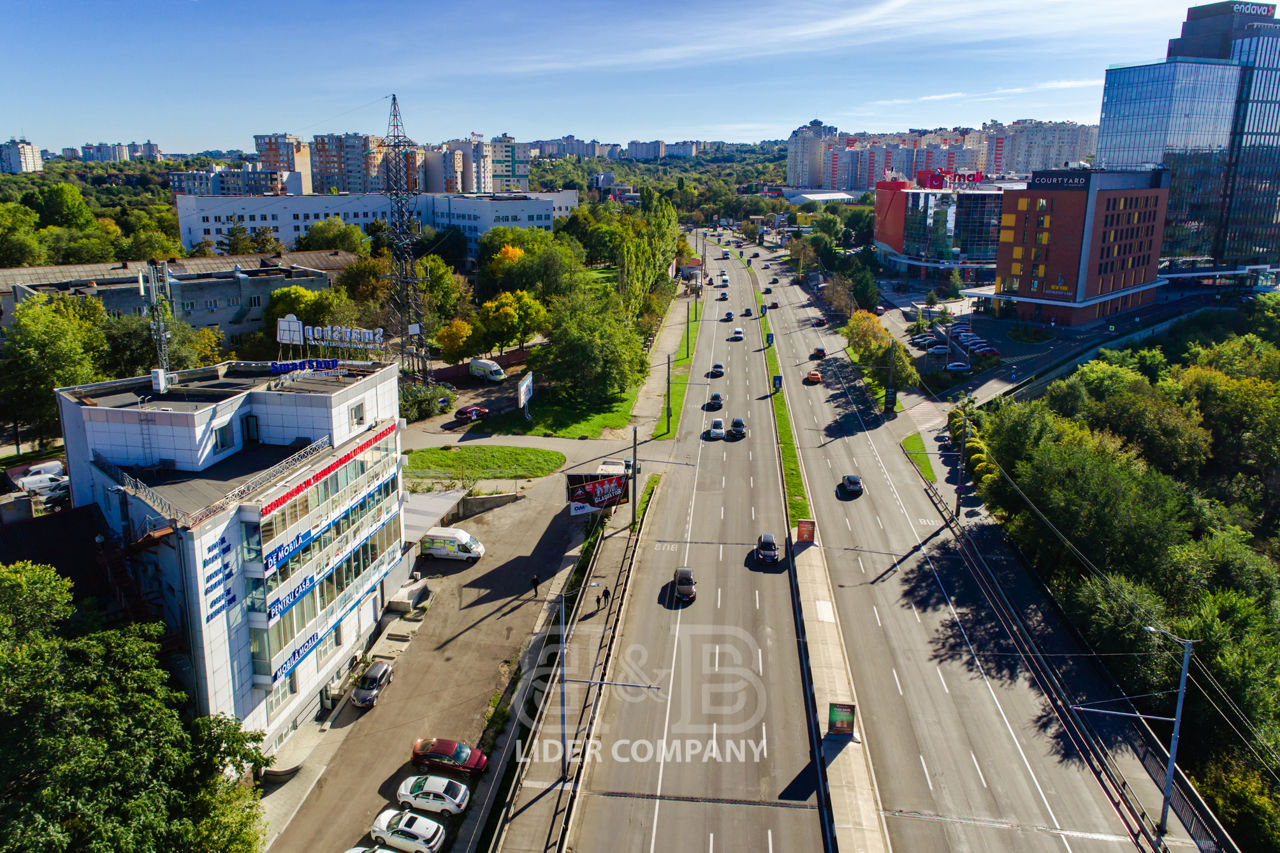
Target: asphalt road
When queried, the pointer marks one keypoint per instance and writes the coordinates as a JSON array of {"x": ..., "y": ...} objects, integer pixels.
[
  {"x": 967, "y": 754},
  {"x": 718, "y": 756}
]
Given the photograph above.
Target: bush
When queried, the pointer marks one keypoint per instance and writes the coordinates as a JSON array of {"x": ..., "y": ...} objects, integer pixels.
[{"x": 422, "y": 401}]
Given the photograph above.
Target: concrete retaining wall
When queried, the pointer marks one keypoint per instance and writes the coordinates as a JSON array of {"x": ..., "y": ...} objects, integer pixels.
[{"x": 476, "y": 504}]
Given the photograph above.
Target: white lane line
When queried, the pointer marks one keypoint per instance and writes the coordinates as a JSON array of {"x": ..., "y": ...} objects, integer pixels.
[
  {"x": 724, "y": 457},
  {"x": 828, "y": 463},
  {"x": 847, "y": 524},
  {"x": 879, "y": 522},
  {"x": 895, "y": 680},
  {"x": 717, "y": 666},
  {"x": 753, "y": 513},
  {"x": 877, "y": 613},
  {"x": 753, "y": 481},
  {"x": 770, "y": 840},
  {"x": 943, "y": 680},
  {"x": 760, "y": 659},
  {"x": 916, "y": 612},
  {"x": 721, "y": 552},
  {"x": 711, "y": 845},
  {"x": 979, "y": 769},
  {"x": 722, "y": 513},
  {"x": 815, "y": 419},
  {"x": 749, "y": 456},
  {"x": 864, "y": 568},
  {"x": 722, "y": 482},
  {"x": 757, "y": 599},
  {"x": 925, "y": 768}
]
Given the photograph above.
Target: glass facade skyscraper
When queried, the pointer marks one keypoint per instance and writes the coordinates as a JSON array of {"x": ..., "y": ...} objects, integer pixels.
[
  {"x": 1214, "y": 122},
  {"x": 952, "y": 226}
]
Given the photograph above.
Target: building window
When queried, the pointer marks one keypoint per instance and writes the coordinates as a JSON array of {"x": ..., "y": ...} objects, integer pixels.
[
  {"x": 250, "y": 542},
  {"x": 328, "y": 645},
  {"x": 211, "y": 304},
  {"x": 223, "y": 438},
  {"x": 258, "y": 646},
  {"x": 255, "y": 301},
  {"x": 1022, "y": 203},
  {"x": 281, "y": 694},
  {"x": 1017, "y": 252},
  {"x": 188, "y": 307},
  {"x": 357, "y": 415},
  {"x": 206, "y": 232},
  {"x": 204, "y": 219}
]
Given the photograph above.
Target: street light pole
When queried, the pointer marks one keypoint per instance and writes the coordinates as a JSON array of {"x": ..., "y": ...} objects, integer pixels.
[{"x": 1177, "y": 724}]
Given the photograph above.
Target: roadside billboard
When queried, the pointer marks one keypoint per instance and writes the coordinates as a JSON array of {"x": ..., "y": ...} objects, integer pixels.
[
  {"x": 525, "y": 389},
  {"x": 592, "y": 492}
]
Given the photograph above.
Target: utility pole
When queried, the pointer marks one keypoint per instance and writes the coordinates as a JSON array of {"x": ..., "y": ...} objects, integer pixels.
[
  {"x": 668, "y": 393},
  {"x": 635, "y": 469},
  {"x": 964, "y": 434},
  {"x": 1177, "y": 724},
  {"x": 688, "y": 322}
]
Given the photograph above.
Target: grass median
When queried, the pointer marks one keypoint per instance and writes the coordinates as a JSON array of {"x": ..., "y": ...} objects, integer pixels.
[
  {"x": 914, "y": 445},
  {"x": 797, "y": 500},
  {"x": 681, "y": 367}
]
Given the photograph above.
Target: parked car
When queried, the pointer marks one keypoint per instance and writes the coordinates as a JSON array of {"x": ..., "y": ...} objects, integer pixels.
[
  {"x": 437, "y": 794},
  {"x": 728, "y": 316},
  {"x": 766, "y": 549},
  {"x": 472, "y": 413},
  {"x": 449, "y": 756},
  {"x": 40, "y": 484},
  {"x": 767, "y": 291},
  {"x": 813, "y": 377},
  {"x": 53, "y": 467},
  {"x": 716, "y": 430},
  {"x": 737, "y": 428},
  {"x": 764, "y": 266},
  {"x": 57, "y": 501},
  {"x": 723, "y": 297},
  {"x": 755, "y": 254},
  {"x": 958, "y": 367},
  {"x": 375, "y": 678},
  {"x": 939, "y": 349},
  {"x": 408, "y": 831},
  {"x": 851, "y": 484},
  {"x": 716, "y": 401},
  {"x": 879, "y": 310},
  {"x": 685, "y": 588}
]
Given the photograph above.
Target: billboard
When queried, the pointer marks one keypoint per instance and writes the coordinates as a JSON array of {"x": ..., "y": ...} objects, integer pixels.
[
  {"x": 289, "y": 330},
  {"x": 591, "y": 492},
  {"x": 524, "y": 390}
]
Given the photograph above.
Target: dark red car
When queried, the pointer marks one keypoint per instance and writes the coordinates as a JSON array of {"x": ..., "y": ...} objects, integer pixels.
[
  {"x": 451, "y": 756},
  {"x": 472, "y": 413}
]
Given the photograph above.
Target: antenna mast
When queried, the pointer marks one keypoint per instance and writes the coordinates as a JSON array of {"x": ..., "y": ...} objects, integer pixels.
[{"x": 406, "y": 298}]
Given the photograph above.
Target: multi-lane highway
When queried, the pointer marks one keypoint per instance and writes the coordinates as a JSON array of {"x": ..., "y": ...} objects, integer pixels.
[{"x": 718, "y": 757}]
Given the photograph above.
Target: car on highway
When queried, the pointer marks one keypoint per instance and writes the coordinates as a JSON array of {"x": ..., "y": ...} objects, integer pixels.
[
  {"x": 371, "y": 684},
  {"x": 938, "y": 349},
  {"x": 728, "y": 316},
  {"x": 767, "y": 291},
  {"x": 773, "y": 304},
  {"x": 851, "y": 484},
  {"x": 764, "y": 266},
  {"x": 723, "y": 297},
  {"x": 683, "y": 586},
  {"x": 717, "y": 369},
  {"x": 766, "y": 549},
  {"x": 819, "y": 353},
  {"x": 408, "y": 831},
  {"x": 746, "y": 312},
  {"x": 755, "y": 254},
  {"x": 471, "y": 413},
  {"x": 450, "y": 756},
  {"x": 773, "y": 280},
  {"x": 813, "y": 377},
  {"x": 716, "y": 430},
  {"x": 715, "y": 401},
  {"x": 737, "y": 335},
  {"x": 958, "y": 367},
  {"x": 737, "y": 428},
  {"x": 819, "y": 321},
  {"x": 437, "y": 794}
]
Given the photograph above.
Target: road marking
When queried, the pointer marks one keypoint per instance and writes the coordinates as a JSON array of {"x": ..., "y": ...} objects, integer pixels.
[
  {"x": 757, "y": 599},
  {"x": 847, "y": 524},
  {"x": 815, "y": 419},
  {"x": 925, "y": 767},
  {"x": 895, "y": 680},
  {"x": 722, "y": 513},
  {"x": 824, "y": 611},
  {"x": 764, "y": 741},
  {"x": 750, "y": 458},
  {"x": 724, "y": 457},
  {"x": 864, "y": 568},
  {"x": 979, "y": 769},
  {"x": 717, "y": 608},
  {"x": 916, "y": 612},
  {"x": 711, "y": 846},
  {"x": 760, "y": 659},
  {"x": 879, "y": 522},
  {"x": 717, "y": 666},
  {"x": 877, "y": 613},
  {"x": 753, "y": 485},
  {"x": 828, "y": 463},
  {"x": 753, "y": 513},
  {"x": 721, "y": 557},
  {"x": 944, "y": 683},
  {"x": 722, "y": 482},
  {"x": 770, "y": 840}
]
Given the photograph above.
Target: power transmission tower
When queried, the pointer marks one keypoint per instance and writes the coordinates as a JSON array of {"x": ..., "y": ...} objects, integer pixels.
[
  {"x": 406, "y": 298},
  {"x": 158, "y": 296}
]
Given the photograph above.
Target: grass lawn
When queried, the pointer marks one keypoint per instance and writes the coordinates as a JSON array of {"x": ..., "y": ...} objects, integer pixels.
[
  {"x": 680, "y": 369},
  {"x": 490, "y": 462},
  {"x": 797, "y": 501},
  {"x": 914, "y": 445},
  {"x": 563, "y": 419},
  {"x": 604, "y": 275}
]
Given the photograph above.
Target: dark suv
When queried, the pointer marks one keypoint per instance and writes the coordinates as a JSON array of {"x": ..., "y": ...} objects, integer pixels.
[
  {"x": 738, "y": 428},
  {"x": 766, "y": 549},
  {"x": 375, "y": 678}
]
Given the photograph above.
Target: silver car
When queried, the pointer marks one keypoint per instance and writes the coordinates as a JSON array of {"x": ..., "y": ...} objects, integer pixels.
[
  {"x": 436, "y": 794},
  {"x": 375, "y": 678}
]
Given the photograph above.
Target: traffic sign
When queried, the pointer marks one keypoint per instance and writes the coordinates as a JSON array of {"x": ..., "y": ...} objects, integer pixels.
[
  {"x": 777, "y": 380},
  {"x": 768, "y": 341}
]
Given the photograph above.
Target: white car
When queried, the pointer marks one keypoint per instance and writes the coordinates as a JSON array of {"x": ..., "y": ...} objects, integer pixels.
[
  {"x": 434, "y": 794},
  {"x": 737, "y": 335},
  {"x": 53, "y": 467},
  {"x": 958, "y": 367},
  {"x": 717, "y": 429},
  {"x": 407, "y": 831},
  {"x": 40, "y": 484}
]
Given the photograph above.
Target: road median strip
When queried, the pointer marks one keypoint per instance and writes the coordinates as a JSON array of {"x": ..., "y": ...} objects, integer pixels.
[
  {"x": 797, "y": 500},
  {"x": 680, "y": 370}
]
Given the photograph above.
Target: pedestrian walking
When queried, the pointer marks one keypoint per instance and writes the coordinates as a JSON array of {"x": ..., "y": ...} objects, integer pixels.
[
  {"x": 605, "y": 593},
  {"x": 597, "y": 601},
  {"x": 533, "y": 583}
]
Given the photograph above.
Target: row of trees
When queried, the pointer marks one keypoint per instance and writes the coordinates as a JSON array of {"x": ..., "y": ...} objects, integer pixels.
[
  {"x": 1161, "y": 464},
  {"x": 97, "y": 754}
]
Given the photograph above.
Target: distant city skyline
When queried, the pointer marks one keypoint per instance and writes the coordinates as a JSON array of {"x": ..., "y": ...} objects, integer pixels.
[{"x": 192, "y": 76}]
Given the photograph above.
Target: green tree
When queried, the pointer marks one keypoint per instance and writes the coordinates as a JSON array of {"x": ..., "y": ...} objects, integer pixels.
[
  {"x": 264, "y": 241},
  {"x": 148, "y": 245},
  {"x": 46, "y": 350},
  {"x": 62, "y": 206},
  {"x": 365, "y": 280},
  {"x": 72, "y": 246},
  {"x": 332, "y": 233},
  {"x": 454, "y": 341},
  {"x": 203, "y": 249},
  {"x": 531, "y": 317},
  {"x": 235, "y": 241},
  {"x": 500, "y": 320},
  {"x": 442, "y": 288},
  {"x": 18, "y": 244},
  {"x": 829, "y": 225},
  {"x": 594, "y": 354}
]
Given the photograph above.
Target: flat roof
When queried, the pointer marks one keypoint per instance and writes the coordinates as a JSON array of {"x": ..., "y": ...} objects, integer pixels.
[
  {"x": 320, "y": 261},
  {"x": 192, "y": 491},
  {"x": 193, "y": 390}
]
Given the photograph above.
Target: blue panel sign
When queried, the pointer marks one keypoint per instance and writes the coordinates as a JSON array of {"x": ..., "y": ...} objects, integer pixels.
[
  {"x": 279, "y": 606},
  {"x": 304, "y": 364},
  {"x": 777, "y": 383},
  {"x": 768, "y": 340},
  {"x": 282, "y": 553},
  {"x": 297, "y": 655}
]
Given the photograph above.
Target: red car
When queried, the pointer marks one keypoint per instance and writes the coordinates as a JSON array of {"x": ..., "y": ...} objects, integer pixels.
[
  {"x": 472, "y": 413},
  {"x": 452, "y": 756}
]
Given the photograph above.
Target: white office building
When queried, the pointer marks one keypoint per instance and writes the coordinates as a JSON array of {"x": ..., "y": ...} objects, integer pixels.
[
  {"x": 260, "y": 504},
  {"x": 19, "y": 155},
  {"x": 291, "y": 216}
]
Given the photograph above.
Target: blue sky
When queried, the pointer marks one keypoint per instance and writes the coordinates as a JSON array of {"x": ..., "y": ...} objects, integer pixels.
[{"x": 195, "y": 74}]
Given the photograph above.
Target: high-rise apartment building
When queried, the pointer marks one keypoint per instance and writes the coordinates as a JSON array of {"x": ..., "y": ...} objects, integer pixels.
[
  {"x": 347, "y": 163},
  {"x": 260, "y": 505},
  {"x": 1210, "y": 113},
  {"x": 19, "y": 155},
  {"x": 285, "y": 152},
  {"x": 1027, "y": 146},
  {"x": 253, "y": 179},
  {"x": 509, "y": 164},
  {"x": 804, "y": 154},
  {"x": 655, "y": 150}
]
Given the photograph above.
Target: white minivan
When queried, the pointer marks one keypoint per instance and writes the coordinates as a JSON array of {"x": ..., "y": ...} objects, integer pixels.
[{"x": 451, "y": 543}]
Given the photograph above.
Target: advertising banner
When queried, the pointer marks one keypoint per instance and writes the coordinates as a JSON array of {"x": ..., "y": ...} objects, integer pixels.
[
  {"x": 804, "y": 530},
  {"x": 599, "y": 492},
  {"x": 840, "y": 718}
]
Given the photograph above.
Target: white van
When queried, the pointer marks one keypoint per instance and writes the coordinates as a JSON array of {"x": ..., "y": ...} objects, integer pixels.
[
  {"x": 451, "y": 543},
  {"x": 53, "y": 467}
]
